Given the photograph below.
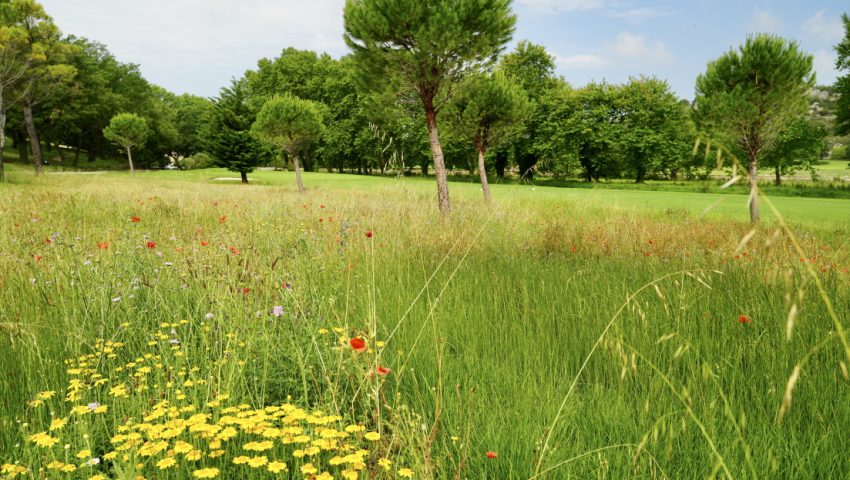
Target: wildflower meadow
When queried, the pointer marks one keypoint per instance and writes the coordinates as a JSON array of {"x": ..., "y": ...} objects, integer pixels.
[{"x": 166, "y": 327}]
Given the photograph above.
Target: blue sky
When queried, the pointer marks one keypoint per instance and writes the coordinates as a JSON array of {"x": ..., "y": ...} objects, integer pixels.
[{"x": 197, "y": 46}]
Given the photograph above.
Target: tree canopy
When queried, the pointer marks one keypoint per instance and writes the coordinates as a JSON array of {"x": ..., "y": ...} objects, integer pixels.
[
  {"x": 424, "y": 49},
  {"x": 291, "y": 123},
  {"x": 127, "y": 130},
  {"x": 749, "y": 96}
]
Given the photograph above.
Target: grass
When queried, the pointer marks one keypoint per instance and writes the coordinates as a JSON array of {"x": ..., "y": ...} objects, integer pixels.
[{"x": 608, "y": 322}]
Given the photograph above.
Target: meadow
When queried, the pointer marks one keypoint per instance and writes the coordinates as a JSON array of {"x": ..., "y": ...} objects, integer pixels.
[{"x": 172, "y": 326}]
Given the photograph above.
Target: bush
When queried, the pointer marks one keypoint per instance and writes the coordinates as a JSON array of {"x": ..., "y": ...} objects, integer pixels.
[
  {"x": 839, "y": 152},
  {"x": 197, "y": 162}
]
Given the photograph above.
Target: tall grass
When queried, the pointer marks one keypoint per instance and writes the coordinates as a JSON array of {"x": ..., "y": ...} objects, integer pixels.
[{"x": 569, "y": 339}]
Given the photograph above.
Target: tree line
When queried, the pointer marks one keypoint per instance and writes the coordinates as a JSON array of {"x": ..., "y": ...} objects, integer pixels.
[{"x": 427, "y": 85}]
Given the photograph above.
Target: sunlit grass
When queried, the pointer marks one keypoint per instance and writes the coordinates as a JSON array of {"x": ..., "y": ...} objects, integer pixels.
[{"x": 490, "y": 319}]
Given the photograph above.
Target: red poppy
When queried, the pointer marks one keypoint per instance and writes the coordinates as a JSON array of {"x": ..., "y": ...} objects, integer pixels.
[
  {"x": 321, "y": 220},
  {"x": 358, "y": 344},
  {"x": 246, "y": 291},
  {"x": 151, "y": 245},
  {"x": 205, "y": 243},
  {"x": 135, "y": 219},
  {"x": 492, "y": 455},
  {"x": 369, "y": 234},
  {"x": 103, "y": 245},
  {"x": 744, "y": 319},
  {"x": 321, "y": 206},
  {"x": 47, "y": 241},
  {"x": 234, "y": 250},
  {"x": 37, "y": 258},
  {"x": 222, "y": 219},
  {"x": 383, "y": 371}
]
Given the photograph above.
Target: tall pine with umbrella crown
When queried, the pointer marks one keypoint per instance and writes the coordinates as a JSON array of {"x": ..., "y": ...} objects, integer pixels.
[
  {"x": 748, "y": 97},
  {"x": 424, "y": 48}
]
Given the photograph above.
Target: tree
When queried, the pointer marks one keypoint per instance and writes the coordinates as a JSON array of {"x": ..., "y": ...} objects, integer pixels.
[
  {"x": 533, "y": 68},
  {"x": 45, "y": 73},
  {"x": 227, "y": 136},
  {"x": 12, "y": 67},
  {"x": 842, "y": 85},
  {"x": 427, "y": 47},
  {"x": 189, "y": 114},
  {"x": 291, "y": 123},
  {"x": 487, "y": 107},
  {"x": 750, "y": 96},
  {"x": 127, "y": 130},
  {"x": 799, "y": 146},
  {"x": 655, "y": 130}
]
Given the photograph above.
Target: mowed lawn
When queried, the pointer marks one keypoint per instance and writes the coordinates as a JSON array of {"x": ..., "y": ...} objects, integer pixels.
[
  {"x": 809, "y": 212},
  {"x": 570, "y": 333}
]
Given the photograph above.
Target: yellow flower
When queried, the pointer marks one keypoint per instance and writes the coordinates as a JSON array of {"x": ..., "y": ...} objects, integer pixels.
[
  {"x": 241, "y": 460},
  {"x": 119, "y": 391},
  {"x": 257, "y": 462},
  {"x": 308, "y": 469},
  {"x": 385, "y": 463},
  {"x": 405, "y": 473},
  {"x": 43, "y": 440},
  {"x": 372, "y": 436},
  {"x": 183, "y": 447},
  {"x": 325, "y": 476},
  {"x": 194, "y": 455},
  {"x": 57, "y": 424},
  {"x": 206, "y": 473},
  {"x": 166, "y": 463},
  {"x": 277, "y": 467},
  {"x": 258, "y": 446},
  {"x": 45, "y": 395},
  {"x": 354, "y": 428},
  {"x": 350, "y": 475},
  {"x": 101, "y": 409},
  {"x": 97, "y": 477}
]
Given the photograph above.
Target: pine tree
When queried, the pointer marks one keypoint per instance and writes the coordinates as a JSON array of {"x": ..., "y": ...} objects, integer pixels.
[{"x": 426, "y": 47}]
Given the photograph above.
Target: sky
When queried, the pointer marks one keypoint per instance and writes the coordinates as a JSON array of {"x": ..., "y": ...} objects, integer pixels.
[{"x": 198, "y": 46}]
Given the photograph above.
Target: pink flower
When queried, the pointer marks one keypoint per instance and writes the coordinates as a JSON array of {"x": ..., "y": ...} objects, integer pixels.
[{"x": 277, "y": 311}]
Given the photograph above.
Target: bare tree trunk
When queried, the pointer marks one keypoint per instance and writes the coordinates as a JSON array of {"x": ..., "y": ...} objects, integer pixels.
[
  {"x": 755, "y": 215},
  {"x": 2, "y": 136},
  {"x": 130, "y": 159},
  {"x": 33, "y": 134},
  {"x": 244, "y": 175},
  {"x": 482, "y": 168},
  {"x": 778, "y": 177},
  {"x": 297, "y": 163},
  {"x": 439, "y": 161}
]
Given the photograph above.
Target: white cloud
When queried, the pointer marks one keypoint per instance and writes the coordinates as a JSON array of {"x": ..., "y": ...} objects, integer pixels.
[
  {"x": 549, "y": 6},
  {"x": 636, "y": 48},
  {"x": 824, "y": 65},
  {"x": 765, "y": 22},
  {"x": 582, "y": 61},
  {"x": 824, "y": 27},
  {"x": 179, "y": 43}
]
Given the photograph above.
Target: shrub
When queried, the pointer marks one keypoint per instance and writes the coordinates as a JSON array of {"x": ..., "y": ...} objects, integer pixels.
[{"x": 197, "y": 161}]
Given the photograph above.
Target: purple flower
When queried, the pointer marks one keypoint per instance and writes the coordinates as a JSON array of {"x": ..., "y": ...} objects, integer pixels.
[{"x": 277, "y": 311}]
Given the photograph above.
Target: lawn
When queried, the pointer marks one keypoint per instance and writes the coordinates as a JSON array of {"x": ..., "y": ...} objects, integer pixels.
[{"x": 569, "y": 333}]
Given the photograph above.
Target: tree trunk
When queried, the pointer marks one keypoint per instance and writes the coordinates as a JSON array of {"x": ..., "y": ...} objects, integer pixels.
[
  {"x": 294, "y": 154},
  {"x": 482, "y": 169},
  {"x": 2, "y": 136},
  {"x": 778, "y": 176},
  {"x": 244, "y": 175},
  {"x": 641, "y": 175},
  {"x": 33, "y": 134},
  {"x": 755, "y": 215},
  {"x": 501, "y": 163},
  {"x": 130, "y": 159},
  {"x": 439, "y": 162}
]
